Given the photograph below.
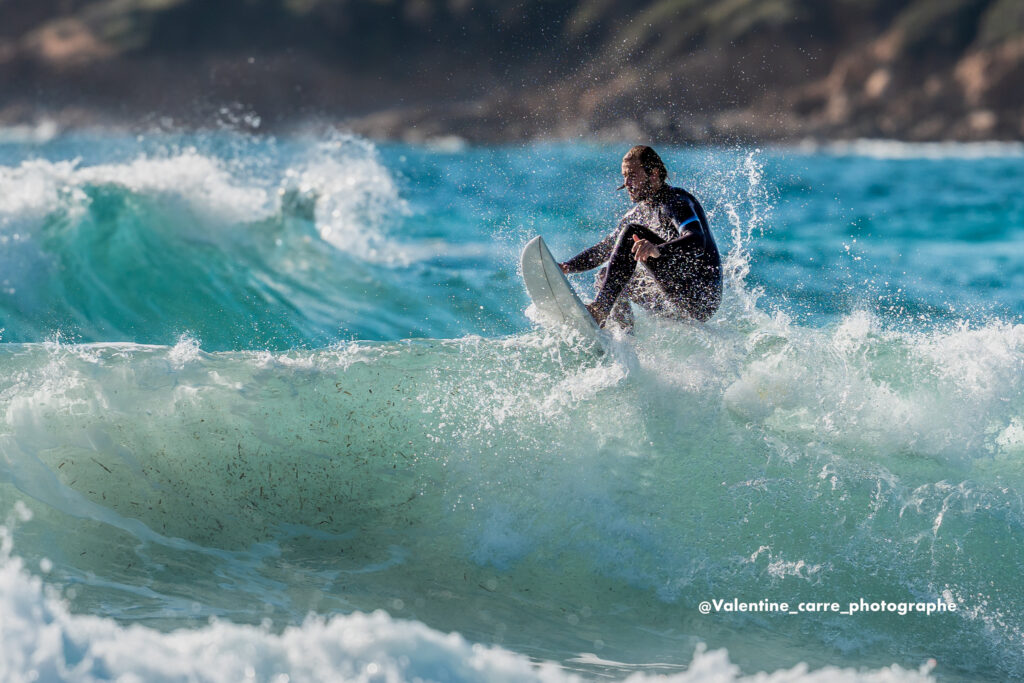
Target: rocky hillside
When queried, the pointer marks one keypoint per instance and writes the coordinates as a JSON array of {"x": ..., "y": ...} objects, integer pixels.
[{"x": 667, "y": 70}]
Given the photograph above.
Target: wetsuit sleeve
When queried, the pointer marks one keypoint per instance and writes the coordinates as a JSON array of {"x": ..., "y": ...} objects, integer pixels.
[
  {"x": 692, "y": 227},
  {"x": 688, "y": 241},
  {"x": 594, "y": 256}
]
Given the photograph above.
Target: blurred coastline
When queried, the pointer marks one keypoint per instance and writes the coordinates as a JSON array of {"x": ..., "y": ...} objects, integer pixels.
[{"x": 675, "y": 71}]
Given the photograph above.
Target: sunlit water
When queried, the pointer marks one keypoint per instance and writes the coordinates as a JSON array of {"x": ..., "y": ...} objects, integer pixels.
[{"x": 273, "y": 408}]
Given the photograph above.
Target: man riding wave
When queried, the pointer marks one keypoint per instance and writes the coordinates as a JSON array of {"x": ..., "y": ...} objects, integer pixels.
[{"x": 667, "y": 231}]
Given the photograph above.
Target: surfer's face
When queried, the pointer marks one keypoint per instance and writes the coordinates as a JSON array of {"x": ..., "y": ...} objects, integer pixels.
[{"x": 639, "y": 184}]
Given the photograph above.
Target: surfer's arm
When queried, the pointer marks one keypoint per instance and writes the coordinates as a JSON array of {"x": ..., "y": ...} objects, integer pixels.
[
  {"x": 691, "y": 230},
  {"x": 686, "y": 242},
  {"x": 592, "y": 257}
]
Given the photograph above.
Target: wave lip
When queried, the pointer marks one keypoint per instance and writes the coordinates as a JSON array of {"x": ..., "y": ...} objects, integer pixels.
[
  {"x": 39, "y": 186},
  {"x": 281, "y": 252}
]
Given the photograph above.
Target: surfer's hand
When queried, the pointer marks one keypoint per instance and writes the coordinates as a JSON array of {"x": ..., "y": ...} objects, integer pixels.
[
  {"x": 644, "y": 249},
  {"x": 564, "y": 267}
]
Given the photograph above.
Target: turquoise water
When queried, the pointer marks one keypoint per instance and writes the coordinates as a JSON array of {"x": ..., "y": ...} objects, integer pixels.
[{"x": 275, "y": 407}]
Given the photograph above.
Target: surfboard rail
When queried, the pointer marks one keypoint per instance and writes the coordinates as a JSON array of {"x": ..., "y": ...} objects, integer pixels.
[{"x": 555, "y": 300}]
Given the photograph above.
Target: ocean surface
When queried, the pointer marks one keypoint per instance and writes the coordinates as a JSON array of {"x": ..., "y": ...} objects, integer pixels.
[{"x": 274, "y": 409}]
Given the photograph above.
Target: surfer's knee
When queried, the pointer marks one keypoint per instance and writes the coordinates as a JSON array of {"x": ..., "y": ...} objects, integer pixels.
[
  {"x": 705, "y": 304},
  {"x": 628, "y": 232},
  {"x": 694, "y": 300}
]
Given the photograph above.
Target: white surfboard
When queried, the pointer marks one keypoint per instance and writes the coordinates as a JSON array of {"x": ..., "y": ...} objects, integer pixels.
[{"x": 554, "y": 298}]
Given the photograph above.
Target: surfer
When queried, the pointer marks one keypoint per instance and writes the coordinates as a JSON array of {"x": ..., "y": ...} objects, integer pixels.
[{"x": 666, "y": 231}]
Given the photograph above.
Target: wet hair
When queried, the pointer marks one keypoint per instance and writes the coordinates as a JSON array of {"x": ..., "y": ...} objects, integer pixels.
[{"x": 649, "y": 160}]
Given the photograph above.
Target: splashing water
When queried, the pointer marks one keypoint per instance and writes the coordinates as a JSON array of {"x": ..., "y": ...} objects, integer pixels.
[{"x": 272, "y": 407}]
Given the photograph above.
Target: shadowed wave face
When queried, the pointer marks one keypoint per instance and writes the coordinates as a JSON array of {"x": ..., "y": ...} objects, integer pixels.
[{"x": 257, "y": 380}]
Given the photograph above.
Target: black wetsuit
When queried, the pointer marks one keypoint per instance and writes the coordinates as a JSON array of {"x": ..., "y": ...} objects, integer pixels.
[{"x": 688, "y": 272}]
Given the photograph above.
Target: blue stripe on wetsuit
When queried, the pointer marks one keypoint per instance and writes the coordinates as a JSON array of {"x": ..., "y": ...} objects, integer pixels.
[{"x": 687, "y": 222}]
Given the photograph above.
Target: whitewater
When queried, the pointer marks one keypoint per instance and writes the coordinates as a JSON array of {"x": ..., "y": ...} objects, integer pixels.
[{"x": 275, "y": 409}]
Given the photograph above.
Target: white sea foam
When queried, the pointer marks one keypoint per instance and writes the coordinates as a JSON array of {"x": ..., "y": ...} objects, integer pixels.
[
  {"x": 538, "y": 453},
  {"x": 34, "y": 187},
  {"x": 342, "y": 185},
  {"x": 857, "y": 384},
  {"x": 37, "y": 186},
  {"x": 356, "y": 198},
  {"x": 40, "y": 132},
  {"x": 41, "y": 640}
]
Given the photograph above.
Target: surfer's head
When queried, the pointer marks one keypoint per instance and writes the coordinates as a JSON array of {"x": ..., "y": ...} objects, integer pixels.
[{"x": 643, "y": 173}]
